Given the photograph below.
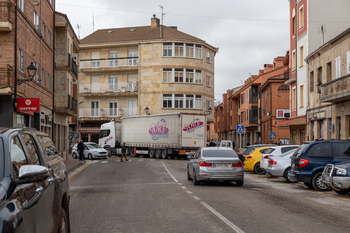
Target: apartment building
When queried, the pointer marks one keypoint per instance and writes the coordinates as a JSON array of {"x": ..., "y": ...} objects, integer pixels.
[
  {"x": 26, "y": 31},
  {"x": 132, "y": 71},
  {"x": 329, "y": 84}
]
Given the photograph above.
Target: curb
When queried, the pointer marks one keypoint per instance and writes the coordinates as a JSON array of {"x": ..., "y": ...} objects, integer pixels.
[{"x": 75, "y": 167}]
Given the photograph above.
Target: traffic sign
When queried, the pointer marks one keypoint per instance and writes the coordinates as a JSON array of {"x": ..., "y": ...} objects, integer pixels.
[
  {"x": 239, "y": 128},
  {"x": 272, "y": 135},
  {"x": 330, "y": 126}
]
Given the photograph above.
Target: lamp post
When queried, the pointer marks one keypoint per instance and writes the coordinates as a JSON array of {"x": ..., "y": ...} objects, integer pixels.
[
  {"x": 318, "y": 85},
  {"x": 147, "y": 110},
  {"x": 31, "y": 70}
]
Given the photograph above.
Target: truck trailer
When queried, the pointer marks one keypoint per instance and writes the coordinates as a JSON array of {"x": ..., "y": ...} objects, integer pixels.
[{"x": 156, "y": 136}]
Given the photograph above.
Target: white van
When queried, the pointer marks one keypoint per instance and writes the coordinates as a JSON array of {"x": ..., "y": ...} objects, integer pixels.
[{"x": 226, "y": 143}]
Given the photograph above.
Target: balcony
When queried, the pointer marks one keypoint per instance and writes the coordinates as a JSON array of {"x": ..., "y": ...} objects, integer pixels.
[
  {"x": 5, "y": 76},
  {"x": 336, "y": 90},
  {"x": 109, "y": 89},
  {"x": 5, "y": 17},
  {"x": 109, "y": 64},
  {"x": 72, "y": 66},
  {"x": 69, "y": 108},
  {"x": 105, "y": 113}
]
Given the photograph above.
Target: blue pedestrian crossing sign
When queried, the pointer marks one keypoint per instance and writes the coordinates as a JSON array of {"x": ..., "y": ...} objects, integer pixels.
[
  {"x": 272, "y": 135},
  {"x": 239, "y": 128}
]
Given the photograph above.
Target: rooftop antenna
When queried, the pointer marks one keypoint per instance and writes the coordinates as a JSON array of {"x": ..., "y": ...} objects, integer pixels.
[
  {"x": 78, "y": 26},
  {"x": 93, "y": 22},
  {"x": 162, "y": 14}
]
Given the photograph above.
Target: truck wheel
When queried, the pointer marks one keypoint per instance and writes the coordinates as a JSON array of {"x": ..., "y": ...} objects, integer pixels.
[
  {"x": 158, "y": 154},
  {"x": 133, "y": 154},
  {"x": 164, "y": 154},
  {"x": 151, "y": 153}
]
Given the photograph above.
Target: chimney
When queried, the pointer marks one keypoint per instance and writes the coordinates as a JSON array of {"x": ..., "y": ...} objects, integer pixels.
[{"x": 154, "y": 22}]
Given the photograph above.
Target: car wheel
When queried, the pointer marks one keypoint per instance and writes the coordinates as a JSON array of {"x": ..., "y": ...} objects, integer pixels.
[
  {"x": 90, "y": 156},
  {"x": 285, "y": 175},
  {"x": 151, "y": 153},
  {"x": 258, "y": 169},
  {"x": 105, "y": 158},
  {"x": 75, "y": 156},
  {"x": 239, "y": 183},
  {"x": 195, "y": 181},
  {"x": 309, "y": 185},
  {"x": 164, "y": 154},
  {"x": 318, "y": 184},
  {"x": 158, "y": 154},
  {"x": 63, "y": 225},
  {"x": 342, "y": 192},
  {"x": 188, "y": 175}
]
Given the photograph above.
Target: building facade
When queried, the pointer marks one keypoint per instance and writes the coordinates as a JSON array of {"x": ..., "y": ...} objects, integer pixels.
[{"x": 142, "y": 70}]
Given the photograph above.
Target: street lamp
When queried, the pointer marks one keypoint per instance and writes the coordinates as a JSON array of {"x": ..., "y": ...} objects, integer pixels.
[
  {"x": 283, "y": 97},
  {"x": 318, "y": 85},
  {"x": 31, "y": 69},
  {"x": 147, "y": 110},
  {"x": 209, "y": 110}
]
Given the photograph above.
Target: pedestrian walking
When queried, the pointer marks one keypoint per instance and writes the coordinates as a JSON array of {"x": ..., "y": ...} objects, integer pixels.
[
  {"x": 81, "y": 148},
  {"x": 123, "y": 153},
  {"x": 212, "y": 143},
  {"x": 248, "y": 143}
]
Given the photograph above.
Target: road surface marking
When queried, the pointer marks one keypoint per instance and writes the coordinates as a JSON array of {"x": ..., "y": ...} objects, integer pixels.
[
  {"x": 197, "y": 198},
  {"x": 78, "y": 171},
  {"x": 183, "y": 187},
  {"x": 225, "y": 220},
  {"x": 104, "y": 162},
  {"x": 141, "y": 160},
  {"x": 189, "y": 192},
  {"x": 170, "y": 173},
  {"x": 96, "y": 161},
  {"x": 179, "y": 183}
]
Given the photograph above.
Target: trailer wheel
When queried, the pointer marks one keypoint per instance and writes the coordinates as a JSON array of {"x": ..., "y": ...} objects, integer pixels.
[
  {"x": 158, "y": 154},
  {"x": 151, "y": 153},
  {"x": 133, "y": 152},
  {"x": 164, "y": 154}
]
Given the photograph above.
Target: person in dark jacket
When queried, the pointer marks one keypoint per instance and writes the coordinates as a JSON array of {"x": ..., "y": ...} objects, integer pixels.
[
  {"x": 81, "y": 148},
  {"x": 248, "y": 144},
  {"x": 123, "y": 153},
  {"x": 212, "y": 143}
]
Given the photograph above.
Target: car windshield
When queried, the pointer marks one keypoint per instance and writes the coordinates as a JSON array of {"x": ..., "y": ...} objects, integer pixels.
[
  {"x": 93, "y": 146},
  {"x": 288, "y": 153},
  {"x": 219, "y": 153}
]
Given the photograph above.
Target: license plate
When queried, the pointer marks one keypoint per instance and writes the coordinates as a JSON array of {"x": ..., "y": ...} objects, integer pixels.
[{"x": 220, "y": 165}]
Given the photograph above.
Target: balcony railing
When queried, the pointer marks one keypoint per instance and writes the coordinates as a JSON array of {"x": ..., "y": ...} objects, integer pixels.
[
  {"x": 108, "y": 87},
  {"x": 108, "y": 63},
  {"x": 106, "y": 112},
  {"x": 72, "y": 65},
  {"x": 5, "y": 76},
  {"x": 72, "y": 104},
  {"x": 286, "y": 74},
  {"x": 336, "y": 90},
  {"x": 5, "y": 16}
]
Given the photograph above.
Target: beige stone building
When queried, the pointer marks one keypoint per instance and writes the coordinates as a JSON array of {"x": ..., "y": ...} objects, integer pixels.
[
  {"x": 142, "y": 70},
  {"x": 66, "y": 77},
  {"x": 328, "y": 86}
]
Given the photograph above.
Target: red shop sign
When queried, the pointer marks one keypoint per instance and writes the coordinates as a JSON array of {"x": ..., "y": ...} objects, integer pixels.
[
  {"x": 28, "y": 104},
  {"x": 247, "y": 131}
]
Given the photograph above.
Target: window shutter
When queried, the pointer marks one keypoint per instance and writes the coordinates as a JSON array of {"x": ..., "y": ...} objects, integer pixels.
[{"x": 348, "y": 62}]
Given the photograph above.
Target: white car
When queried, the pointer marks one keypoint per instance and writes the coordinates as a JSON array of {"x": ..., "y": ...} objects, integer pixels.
[
  {"x": 274, "y": 151},
  {"x": 92, "y": 151}
]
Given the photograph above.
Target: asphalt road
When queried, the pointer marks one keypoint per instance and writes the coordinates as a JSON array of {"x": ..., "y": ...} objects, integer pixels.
[{"x": 149, "y": 195}]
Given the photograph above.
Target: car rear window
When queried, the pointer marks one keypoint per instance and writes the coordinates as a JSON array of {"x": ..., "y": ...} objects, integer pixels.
[
  {"x": 301, "y": 149},
  {"x": 341, "y": 150},
  {"x": 263, "y": 151},
  {"x": 219, "y": 153},
  {"x": 270, "y": 150},
  {"x": 288, "y": 153}
]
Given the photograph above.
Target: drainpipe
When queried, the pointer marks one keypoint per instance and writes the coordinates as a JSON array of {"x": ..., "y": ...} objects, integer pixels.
[
  {"x": 15, "y": 68},
  {"x": 53, "y": 77}
]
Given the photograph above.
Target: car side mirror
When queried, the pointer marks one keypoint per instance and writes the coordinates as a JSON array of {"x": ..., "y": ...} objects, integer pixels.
[{"x": 31, "y": 174}]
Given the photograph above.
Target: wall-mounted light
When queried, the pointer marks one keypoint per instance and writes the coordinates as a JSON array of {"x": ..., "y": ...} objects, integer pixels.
[
  {"x": 209, "y": 111},
  {"x": 147, "y": 110},
  {"x": 31, "y": 69},
  {"x": 318, "y": 85}
]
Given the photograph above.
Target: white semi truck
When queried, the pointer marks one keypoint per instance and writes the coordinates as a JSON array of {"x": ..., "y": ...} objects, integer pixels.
[{"x": 157, "y": 136}]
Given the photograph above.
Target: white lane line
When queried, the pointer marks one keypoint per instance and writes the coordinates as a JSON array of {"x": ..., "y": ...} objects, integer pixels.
[
  {"x": 104, "y": 162},
  {"x": 170, "y": 173},
  {"x": 183, "y": 187},
  {"x": 96, "y": 161},
  {"x": 197, "y": 198},
  {"x": 179, "y": 183},
  {"x": 225, "y": 220},
  {"x": 140, "y": 160},
  {"x": 189, "y": 192}
]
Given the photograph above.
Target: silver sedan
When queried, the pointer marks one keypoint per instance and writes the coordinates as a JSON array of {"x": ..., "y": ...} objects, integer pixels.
[
  {"x": 215, "y": 163},
  {"x": 280, "y": 165}
]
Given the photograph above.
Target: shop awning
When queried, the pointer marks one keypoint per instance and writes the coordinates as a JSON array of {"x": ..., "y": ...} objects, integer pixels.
[
  {"x": 299, "y": 121},
  {"x": 284, "y": 123}
]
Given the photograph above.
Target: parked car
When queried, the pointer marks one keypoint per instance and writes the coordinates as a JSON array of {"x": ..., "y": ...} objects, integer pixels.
[
  {"x": 252, "y": 161},
  {"x": 33, "y": 183},
  {"x": 274, "y": 151},
  {"x": 337, "y": 177},
  {"x": 279, "y": 166},
  {"x": 226, "y": 143},
  {"x": 215, "y": 163},
  {"x": 217, "y": 144},
  {"x": 92, "y": 151},
  {"x": 309, "y": 161},
  {"x": 248, "y": 149}
]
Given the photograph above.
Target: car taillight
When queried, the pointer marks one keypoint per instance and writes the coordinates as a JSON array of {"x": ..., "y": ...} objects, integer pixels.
[
  {"x": 303, "y": 162},
  {"x": 272, "y": 162},
  {"x": 241, "y": 153},
  {"x": 239, "y": 164},
  {"x": 205, "y": 164},
  {"x": 266, "y": 156},
  {"x": 249, "y": 157}
]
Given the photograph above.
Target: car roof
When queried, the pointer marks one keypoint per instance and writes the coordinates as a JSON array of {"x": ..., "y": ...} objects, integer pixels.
[{"x": 215, "y": 148}]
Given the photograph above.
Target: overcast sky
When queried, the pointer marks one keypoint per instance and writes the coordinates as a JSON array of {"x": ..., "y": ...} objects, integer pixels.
[{"x": 248, "y": 33}]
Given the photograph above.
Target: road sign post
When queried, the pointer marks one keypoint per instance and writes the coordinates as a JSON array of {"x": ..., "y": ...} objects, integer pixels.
[{"x": 240, "y": 131}]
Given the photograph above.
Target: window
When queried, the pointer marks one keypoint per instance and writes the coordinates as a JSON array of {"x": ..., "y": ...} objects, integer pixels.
[
  {"x": 208, "y": 104},
  {"x": 49, "y": 81},
  {"x": 36, "y": 76},
  {"x": 18, "y": 157},
  {"x": 179, "y": 75},
  {"x": 242, "y": 98},
  {"x": 301, "y": 56},
  {"x": 301, "y": 17},
  {"x": 341, "y": 150},
  {"x": 294, "y": 98},
  {"x": 49, "y": 37},
  {"x": 179, "y": 49},
  {"x": 113, "y": 108},
  {"x": 132, "y": 54},
  {"x": 294, "y": 61},
  {"x": 94, "y": 108},
  {"x": 21, "y": 5},
  {"x": 43, "y": 78},
  {"x": 167, "y": 75},
  {"x": 21, "y": 60},
  {"x": 167, "y": 100},
  {"x": 32, "y": 148},
  {"x": 283, "y": 88},
  {"x": 95, "y": 63},
  {"x": 198, "y": 51},
  {"x": 198, "y": 101},
  {"x": 189, "y": 76},
  {"x": 189, "y": 101},
  {"x": 301, "y": 94},
  {"x": 319, "y": 74},
  {"x": 329, "y": 71},
  {"x": 49, "y": 147},
  {"x": 113, "y": 83},
  {"x": 294, "y": 23},
  {"x": 337, "y": 67},
  {"x": 44, "y": 31},
  {"x": 321, "y": 150},
  {"x": 311, "y": 81},
  {"x": 189, "y": 50},
  {"x": 167, "y": 49},
  {"x": 113, "y": 62},
  {"x": 208, "y": 57},
  {"x": 36, "y": 20},
  {"x": 179, "y": 101},
  {"x": 208, "y": 81},
  {"x": 198, "y": 78},
  {"x": 348, "y": 62}
]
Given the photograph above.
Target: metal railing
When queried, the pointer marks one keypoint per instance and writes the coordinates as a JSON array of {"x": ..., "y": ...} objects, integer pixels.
[
  {"x": 108, "y": 87},
  {"x": 108, "y": 63},
  {"x": 5, "y": 13},
  {"x": 72, "y": 104},
  {"x": 107, "y": 112},
  {"x": 336, "y": 89},
  {"x": 72, "y": 65}
]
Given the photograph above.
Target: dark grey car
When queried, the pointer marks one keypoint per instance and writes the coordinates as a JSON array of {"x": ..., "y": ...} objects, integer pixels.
[{"x": 215, "y": 163}]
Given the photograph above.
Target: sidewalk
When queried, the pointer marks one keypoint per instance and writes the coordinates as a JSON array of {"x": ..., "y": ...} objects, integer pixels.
[{"x": 72, "y": 164}]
